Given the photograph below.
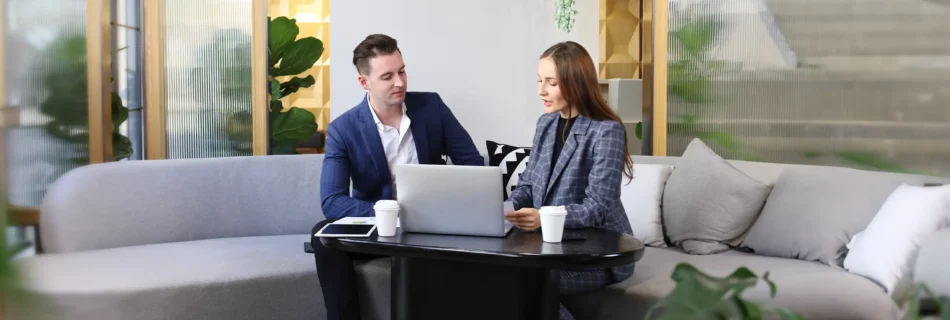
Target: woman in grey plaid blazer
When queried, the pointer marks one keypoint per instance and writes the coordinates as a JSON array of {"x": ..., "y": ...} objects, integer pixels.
[{"x": 578, "y": 159}]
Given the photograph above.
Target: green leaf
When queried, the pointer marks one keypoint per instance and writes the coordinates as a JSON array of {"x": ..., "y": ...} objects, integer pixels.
[
  {"x": 701, "y": 296},
  {"x": 281, "y": 33},
  {"x": 239, "y": 127},
  {"x": 294, "y": 125},
  {"x": 659, "y": 305},
  {"x": 870, "y": 160},
  {"x": 787, "y": 314},
  {"x": 912, "y": 309},
  {"x": 119, "y": 112},
  {"x": 698, "y": 295},
  {"x": 300, "y": 56},
  {"x": 639, "y": 130},
  {"x": 295, "y": 84},
  {"x": 772, "y": 288},
  {"x": 121, "y": 146},
  {"x": 750, "y": 311},
  {"x": 284, "y": 147},
  {"x": 698, "y": 35},
  {"x": 725, "y": 139},
  {"x": 274, "y": 89},
  {"x": 276, "y": 106},
  {"x": 687, "y": 82},
  {"x": 812, "y": 155}
]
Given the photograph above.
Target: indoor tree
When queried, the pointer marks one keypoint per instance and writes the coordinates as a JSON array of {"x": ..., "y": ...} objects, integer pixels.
[{"x": 288, "y": 57}]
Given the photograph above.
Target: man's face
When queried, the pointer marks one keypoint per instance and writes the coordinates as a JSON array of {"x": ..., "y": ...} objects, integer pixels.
[{"x": 386, "y": 81}]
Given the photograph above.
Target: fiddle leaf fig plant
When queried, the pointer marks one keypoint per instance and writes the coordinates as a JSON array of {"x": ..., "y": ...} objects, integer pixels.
[
  {"x": 698, "y": 295},
  {"x": 63, "y": 75},
  {"x": 289, "y": 56}
]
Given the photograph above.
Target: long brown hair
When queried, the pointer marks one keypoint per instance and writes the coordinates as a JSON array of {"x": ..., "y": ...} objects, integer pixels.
[{"x": 577, "y": 79}]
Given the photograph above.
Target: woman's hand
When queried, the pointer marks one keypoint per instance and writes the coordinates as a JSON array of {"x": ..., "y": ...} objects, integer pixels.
[{"x": 527, "y": 219}]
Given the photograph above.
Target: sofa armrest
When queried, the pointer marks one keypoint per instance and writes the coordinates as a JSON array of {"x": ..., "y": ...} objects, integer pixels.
[{"x": 932, "y": 261}]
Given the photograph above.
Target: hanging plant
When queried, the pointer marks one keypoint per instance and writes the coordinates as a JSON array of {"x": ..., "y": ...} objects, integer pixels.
[{"x": 565, "y": 14}]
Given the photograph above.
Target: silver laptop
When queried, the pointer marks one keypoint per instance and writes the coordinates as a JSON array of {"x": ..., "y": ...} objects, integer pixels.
[{"x": 450, "y": 199}]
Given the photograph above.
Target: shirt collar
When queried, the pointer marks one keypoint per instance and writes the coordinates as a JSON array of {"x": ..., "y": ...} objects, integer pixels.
[{"x": 373, "y": 112}]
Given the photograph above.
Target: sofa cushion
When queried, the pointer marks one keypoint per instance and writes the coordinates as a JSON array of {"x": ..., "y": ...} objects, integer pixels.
[
  {"x": 708, "y": 204},
  {"x": 642, "y": 199},
  {"x": 813, "y": 290},
  {"x": 885, "y": 250},
  {"x": 268, "y": 277},
  {"x": 512, "y": 160},
  {"x": 812, "y": 213}
]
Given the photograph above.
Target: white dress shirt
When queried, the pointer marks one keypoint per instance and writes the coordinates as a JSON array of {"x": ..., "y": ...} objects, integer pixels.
[{"x": 398, "y": 144}]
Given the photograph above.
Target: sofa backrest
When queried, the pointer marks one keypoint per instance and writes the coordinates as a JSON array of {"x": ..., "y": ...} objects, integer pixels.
[
  {"x": 768, "y": 173},
  {"x": 144, "y": 202}
]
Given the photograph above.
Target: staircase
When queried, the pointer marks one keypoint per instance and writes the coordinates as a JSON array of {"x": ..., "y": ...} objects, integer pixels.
[
  {"x": 818, "y": 28},
  {"x": 872, "y": 76}
]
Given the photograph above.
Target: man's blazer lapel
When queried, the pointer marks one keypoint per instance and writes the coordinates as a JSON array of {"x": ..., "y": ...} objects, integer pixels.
[
  {"x": 374, "y": 144},
  {"x": 417, "y": 126}
]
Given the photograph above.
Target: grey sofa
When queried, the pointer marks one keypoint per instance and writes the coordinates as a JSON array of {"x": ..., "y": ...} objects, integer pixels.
[
  {"x": 179, "y": 239},
  {"x": 222, "y": 239}
]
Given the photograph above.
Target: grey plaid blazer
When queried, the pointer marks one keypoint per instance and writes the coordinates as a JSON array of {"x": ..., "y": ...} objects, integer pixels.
[{"x": 586, "y": 178}]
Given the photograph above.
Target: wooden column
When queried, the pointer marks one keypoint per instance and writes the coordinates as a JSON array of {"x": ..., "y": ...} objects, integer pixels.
[
  {"x": 655, "y": 39},
  {"x": 153, "y": 31},
  {"x": 99, "y": 73},
  {"x": 260, "y": 130}
]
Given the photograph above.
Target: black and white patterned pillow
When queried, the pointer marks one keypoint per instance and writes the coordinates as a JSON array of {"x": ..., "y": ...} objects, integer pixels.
[{"x": 512, "y": 161}]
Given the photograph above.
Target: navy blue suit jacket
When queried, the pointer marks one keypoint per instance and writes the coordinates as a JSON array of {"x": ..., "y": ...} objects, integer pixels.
[{"x": 355, "y": 151}]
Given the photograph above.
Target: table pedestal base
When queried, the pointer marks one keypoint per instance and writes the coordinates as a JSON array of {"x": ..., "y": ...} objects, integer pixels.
[{"x": 440, "y": 289}]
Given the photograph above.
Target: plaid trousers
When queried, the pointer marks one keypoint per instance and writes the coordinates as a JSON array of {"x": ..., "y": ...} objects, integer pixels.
[{"x": 574, "y": 282}]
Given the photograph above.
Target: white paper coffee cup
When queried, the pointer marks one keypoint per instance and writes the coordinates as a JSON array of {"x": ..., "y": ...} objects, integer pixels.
[
  {"x": 387, "y": 212},
  {"x": 552, "y": 223}
]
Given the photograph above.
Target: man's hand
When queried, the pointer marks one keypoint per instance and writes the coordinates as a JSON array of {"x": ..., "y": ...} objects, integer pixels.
[{"x": 527, "y": 219}]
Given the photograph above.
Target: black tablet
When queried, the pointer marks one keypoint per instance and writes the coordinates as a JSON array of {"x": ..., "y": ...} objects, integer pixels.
[{"x": 346, "y": 230}]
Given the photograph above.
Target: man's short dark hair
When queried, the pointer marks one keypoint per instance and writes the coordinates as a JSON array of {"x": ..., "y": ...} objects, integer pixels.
[{"x": 372, "y": 46}]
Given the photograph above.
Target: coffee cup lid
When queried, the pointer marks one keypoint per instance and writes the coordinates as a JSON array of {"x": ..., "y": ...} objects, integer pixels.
[
  {"x": 559, "y": 210},
  {"x": 386, "y": 204}
]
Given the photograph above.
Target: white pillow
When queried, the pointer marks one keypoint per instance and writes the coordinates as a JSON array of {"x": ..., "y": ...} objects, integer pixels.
[
  {"x": 886, "y": 250},
  {"x": 642, "y": 199}
]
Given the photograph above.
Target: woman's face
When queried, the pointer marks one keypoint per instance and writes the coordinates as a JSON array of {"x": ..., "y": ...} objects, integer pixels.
[{"x": 548, "y": 87}]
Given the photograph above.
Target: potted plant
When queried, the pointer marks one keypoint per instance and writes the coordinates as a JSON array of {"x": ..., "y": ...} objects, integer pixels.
[
  {"x": 924, "y": 304},
  {"x": 698, "y": 295},
  {"x": 63, "y": 75},
  {"x": 288, "y": 57}
]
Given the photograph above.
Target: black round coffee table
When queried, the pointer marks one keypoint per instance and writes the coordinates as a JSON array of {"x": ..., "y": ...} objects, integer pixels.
[{"x": 466, "y": 277}]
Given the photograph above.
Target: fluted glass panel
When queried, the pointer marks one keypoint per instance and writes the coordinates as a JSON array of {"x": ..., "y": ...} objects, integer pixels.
[
  {"x": 45, "y": 94},
  {"x": 128, "y": 65},
  {"x": 208, "y": 64},
  {"x": 855, "y": 83}
]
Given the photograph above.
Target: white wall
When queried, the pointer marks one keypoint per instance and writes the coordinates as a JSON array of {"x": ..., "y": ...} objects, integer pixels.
[{"x": 480, "y": 56}]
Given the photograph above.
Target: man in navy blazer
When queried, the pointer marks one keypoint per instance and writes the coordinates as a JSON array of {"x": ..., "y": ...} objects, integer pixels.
[{"x": 390, "y": 126}]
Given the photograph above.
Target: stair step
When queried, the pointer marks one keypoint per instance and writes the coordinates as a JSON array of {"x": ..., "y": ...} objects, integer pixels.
[
  {"x": 863, "y": 27},
  {"x": 827, "y": 129},
  {"x": 820, "y": 95},
  {"x": 931, "y": 157}
]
